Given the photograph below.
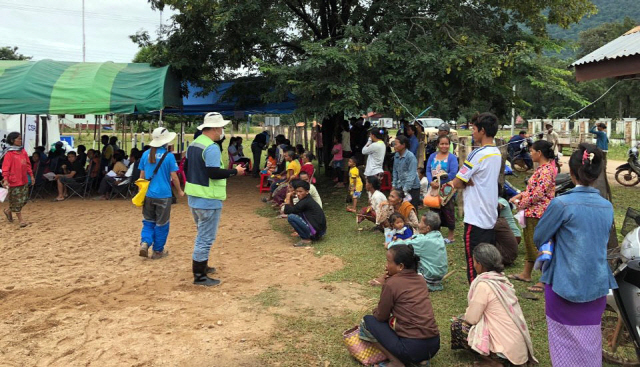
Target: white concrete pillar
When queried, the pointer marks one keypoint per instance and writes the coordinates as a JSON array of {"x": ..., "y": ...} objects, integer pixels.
[
  {"x": 563, "y": 125},
  {"x": 533, "y": 126}
]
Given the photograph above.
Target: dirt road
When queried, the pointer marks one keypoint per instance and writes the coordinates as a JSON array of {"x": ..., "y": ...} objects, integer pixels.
[{"x": 73, "y": 290}]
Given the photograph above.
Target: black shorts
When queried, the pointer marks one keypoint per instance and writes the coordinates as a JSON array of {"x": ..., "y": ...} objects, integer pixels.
[{"x": 473, "y": 236}]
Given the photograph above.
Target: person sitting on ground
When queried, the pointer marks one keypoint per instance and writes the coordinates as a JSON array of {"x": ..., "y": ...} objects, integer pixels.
[
  {"x": 506, "y": 230},
  {"x": 313, "y": 191},
  {"x": 293, "y": 170},
  {"x": 401, "y": 231},
  {"x": 376, "y": 197},
  {"x": 306, "y": 217},
  {"x": 396, "y": 203},
  {"x": 307, "y": 165},
  {"x": 430, "y": 246},
  {"x": 73, "y": 170},
  {"x": 116, "y": 175},
  {"x": 403, "y": 326},
  {"x": 355, "y": 185},
  {"x": 493, "y": 325},
  {"x": 236, "y": 153}
]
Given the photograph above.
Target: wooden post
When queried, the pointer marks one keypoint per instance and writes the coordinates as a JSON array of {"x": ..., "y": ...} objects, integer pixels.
[
  {"x": 463, "y": 152},
  {"x": 306, "y": 135}
]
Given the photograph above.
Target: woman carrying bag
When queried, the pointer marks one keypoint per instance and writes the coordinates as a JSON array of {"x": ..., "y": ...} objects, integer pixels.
[{"x": 159, "y": 167}]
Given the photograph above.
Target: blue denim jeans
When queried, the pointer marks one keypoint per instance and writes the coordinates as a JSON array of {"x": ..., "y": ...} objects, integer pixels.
[
  {"x": 207, "y": 222},
  {"x": 300, "y": 226}
]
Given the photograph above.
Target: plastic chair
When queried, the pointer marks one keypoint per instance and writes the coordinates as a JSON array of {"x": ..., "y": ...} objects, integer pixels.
[
  {"x": 232, "y": 162},
  {"x": 385, "y": 185},
  {"x": 264, "y": 178}
]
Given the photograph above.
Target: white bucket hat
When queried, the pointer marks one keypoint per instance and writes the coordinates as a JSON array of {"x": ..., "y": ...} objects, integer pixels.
[
  {"x": 161, "y": 136},
  {"x": 213, "y": 119}
]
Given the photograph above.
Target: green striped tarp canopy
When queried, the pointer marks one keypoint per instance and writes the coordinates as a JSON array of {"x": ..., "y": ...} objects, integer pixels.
[{"x": 58, "y": 87}]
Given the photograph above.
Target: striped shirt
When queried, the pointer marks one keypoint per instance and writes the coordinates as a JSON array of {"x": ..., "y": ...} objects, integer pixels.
[{"x": 481, "y": 199}]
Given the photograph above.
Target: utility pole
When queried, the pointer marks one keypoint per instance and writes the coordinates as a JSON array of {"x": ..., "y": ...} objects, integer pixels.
[
  {"x": 83, "y": 36},
  {"x": 513, "y": 112}
]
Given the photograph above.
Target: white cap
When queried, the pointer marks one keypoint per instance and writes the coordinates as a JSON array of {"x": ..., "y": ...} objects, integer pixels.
[
  {"x": 213, "y": 119},
  {"x": 161, "y": 136}
]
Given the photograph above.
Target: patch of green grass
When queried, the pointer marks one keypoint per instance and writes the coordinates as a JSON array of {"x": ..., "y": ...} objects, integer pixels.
[
  {"x": 270, "y": 297},
  {"x": 308, "y": 340},
  {"x": 618, "y": 152}
]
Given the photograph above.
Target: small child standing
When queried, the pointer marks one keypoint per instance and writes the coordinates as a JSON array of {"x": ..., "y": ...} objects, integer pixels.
[
  {"x": 429, "y": 245},
  {"x": 401, "y": 231},
  {"x": 355, "y": 184},
  {"x": 336, "y": 162}
]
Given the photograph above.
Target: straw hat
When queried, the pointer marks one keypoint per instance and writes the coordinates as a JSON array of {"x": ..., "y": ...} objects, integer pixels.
[
  {"x": 161, "y": 136},
  {"x": 213, "y": 119}
]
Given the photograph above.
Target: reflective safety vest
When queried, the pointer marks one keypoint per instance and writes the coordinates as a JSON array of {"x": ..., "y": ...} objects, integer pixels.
[{"x": 198, "y": 182}]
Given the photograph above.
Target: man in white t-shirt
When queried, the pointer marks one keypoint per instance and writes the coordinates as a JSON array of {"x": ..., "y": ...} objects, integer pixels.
[{"x": 478, "y": 177}]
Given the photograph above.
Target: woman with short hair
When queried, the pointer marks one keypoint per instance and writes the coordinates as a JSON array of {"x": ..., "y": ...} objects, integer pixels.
[{"x": 493, "y": 325}]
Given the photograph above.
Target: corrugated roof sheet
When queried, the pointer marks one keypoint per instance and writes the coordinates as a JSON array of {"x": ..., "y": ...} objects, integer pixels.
[{"x": 625, "y": 45}]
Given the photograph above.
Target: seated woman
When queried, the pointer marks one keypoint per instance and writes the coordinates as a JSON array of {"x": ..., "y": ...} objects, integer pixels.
[
  {"x": 306, "y": 216},
  {"x": 116, "y": 174},
  {"x": 493, "y": 326},
  {"x": 429, "y": 245},
  {"x": 236, "y": 153},
  {"x": 403, "y": 326},
  {"x": 376, "y": 197},
  {"x": 396, "y": 203}
]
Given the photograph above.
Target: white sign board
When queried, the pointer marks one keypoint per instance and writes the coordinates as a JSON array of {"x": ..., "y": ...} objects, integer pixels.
[
  {"x": 386, "y": 122},
  {"x": 272, "y": 121},
  {"x": 29, "y": 138}
]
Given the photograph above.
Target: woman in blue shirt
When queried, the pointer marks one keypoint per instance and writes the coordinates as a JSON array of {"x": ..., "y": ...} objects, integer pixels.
[
  {"x": 157, "y": 203},
  {"x": 578, "y": 277},
  {"x": 443, "y": 162}
]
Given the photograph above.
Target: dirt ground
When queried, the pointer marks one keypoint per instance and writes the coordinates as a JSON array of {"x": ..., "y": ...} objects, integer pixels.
[
  {"x": 611, "y": 168},
  {"x": 74, "y": 292}
]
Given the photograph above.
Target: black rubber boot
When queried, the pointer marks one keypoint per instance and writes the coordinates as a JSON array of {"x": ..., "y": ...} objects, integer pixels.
[{"x": 200, "y": 274}]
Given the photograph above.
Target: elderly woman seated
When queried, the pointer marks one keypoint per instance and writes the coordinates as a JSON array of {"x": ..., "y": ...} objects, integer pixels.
[
  {"x": 394, "y": 204},
  {"x": 493, "y": 325}
]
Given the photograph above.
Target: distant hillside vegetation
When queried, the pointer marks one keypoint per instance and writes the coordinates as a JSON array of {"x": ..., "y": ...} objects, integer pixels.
[{"x": 608, "y": 11}]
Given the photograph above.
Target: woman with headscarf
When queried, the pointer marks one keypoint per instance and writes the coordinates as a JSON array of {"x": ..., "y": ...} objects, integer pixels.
[{"x": 16, "y": 172}]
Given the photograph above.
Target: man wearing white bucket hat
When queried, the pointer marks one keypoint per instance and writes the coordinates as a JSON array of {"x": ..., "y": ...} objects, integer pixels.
[
  {"x": 206, "y": 188},
  {"x": 159, "y": 167}
]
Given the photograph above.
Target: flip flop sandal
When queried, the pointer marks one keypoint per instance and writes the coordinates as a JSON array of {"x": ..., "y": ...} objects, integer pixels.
[
  {"x": 57, "y": 199},
  {"x": 518, "y": 278},
  {"x": 24, "y": 224},
  {"x": 8, "y": 215},
  {"x": 530, "y": 296},
  {"x": 302, "y": 244},
  {"x": 536, "y": 289}
]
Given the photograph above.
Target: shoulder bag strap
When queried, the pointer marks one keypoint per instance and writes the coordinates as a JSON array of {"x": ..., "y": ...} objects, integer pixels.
[{"x": 159, "y": 164}]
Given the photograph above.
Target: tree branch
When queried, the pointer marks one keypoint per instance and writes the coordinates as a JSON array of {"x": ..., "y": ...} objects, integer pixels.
[{"x": 306, "y": 19}]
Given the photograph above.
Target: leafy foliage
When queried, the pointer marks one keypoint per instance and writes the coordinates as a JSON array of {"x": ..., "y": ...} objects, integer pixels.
[
  {"x": 354, "y": 55},
  {"x": 11, "y": 53}
]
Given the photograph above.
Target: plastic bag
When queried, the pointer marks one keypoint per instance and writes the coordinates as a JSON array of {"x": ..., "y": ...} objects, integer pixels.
[{"x": 3, "y": 194}]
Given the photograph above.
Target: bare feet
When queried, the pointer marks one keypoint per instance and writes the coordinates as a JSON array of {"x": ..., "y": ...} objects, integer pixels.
[
  {"x": 8, "y": 214},
  {"x": 351, "y": 210}
]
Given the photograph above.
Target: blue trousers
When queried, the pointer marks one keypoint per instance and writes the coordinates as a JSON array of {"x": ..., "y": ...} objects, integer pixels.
[
  {"x": 155, "y": 222},
  {"x": 405, "y": 349},
  {"x": 207, "y": 221},
  {"x": 300, "y": 226}
]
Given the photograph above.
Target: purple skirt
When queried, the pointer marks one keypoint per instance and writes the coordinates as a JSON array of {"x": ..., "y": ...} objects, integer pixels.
[{"x": 575, "y": 338}]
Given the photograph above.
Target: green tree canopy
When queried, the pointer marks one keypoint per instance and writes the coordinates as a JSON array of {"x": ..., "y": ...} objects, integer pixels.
[
  {"x": 353, "y": 55},
  {"x": 11, "y": 53}
]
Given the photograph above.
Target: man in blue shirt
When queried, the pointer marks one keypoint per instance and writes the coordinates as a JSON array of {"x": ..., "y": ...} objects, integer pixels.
[
  {"x": 410, "y": 130},
  {"x": 206, "y": 189},
  {"x": 519, "y": 148},
  {"x": 602, "y": 141}
]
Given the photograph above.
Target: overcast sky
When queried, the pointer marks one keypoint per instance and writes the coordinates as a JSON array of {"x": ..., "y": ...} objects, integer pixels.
[{"x": 52, "y": 29}]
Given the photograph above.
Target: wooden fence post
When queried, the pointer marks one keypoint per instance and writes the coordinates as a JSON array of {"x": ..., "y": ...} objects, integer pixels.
[{"x": 463, "y": 152}]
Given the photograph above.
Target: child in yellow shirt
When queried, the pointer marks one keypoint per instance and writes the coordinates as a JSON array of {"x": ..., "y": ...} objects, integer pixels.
[{"x": 355, "y": 184}]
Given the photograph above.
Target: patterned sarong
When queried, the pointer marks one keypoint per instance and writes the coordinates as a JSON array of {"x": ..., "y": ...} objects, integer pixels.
[{"x": 18, "y": 197}]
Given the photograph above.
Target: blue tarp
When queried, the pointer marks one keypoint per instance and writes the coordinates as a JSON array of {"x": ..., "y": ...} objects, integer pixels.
[{"x": 228, "y": 105}]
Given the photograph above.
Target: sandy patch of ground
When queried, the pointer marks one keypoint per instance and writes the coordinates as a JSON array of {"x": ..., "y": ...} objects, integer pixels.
[{"x": 74, "y": 292}]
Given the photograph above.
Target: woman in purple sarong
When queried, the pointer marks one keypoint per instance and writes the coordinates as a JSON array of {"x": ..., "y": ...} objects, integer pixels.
[{"x": 577, "y": 278}]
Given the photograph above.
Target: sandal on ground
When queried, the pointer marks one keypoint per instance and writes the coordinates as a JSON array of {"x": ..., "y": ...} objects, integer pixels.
[
  {"x": 294, "y": 234},
  {"x": 7, "y": 213},
  {"x": 536, "y": 289},
  {"x": 448, "y": 241},
  {"x": 530, "y": 296},
  {"x": 58, "y": 199},
  {"x": 302, "y": 244},
  {"x": 24, "y": 224},
  {"x": 518, "y": 278}
]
